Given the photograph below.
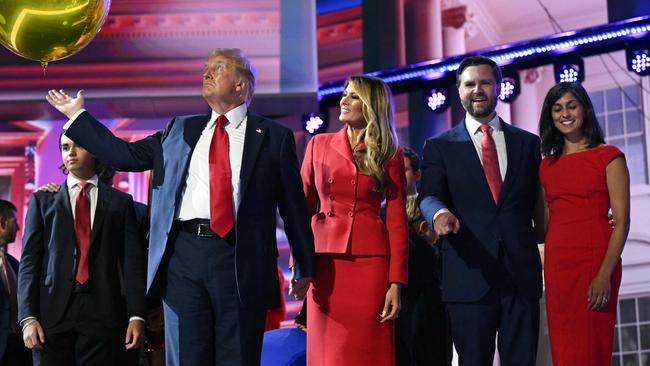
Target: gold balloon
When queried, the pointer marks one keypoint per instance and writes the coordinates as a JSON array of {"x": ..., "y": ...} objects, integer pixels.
[{"x": 49, "y": 30}]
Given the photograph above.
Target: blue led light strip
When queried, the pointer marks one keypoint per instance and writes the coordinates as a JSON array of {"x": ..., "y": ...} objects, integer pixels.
[{"x": 595, "y": 40}]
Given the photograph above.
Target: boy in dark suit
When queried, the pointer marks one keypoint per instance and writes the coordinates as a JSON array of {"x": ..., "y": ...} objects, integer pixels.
[{"x": 69, "y": 296}]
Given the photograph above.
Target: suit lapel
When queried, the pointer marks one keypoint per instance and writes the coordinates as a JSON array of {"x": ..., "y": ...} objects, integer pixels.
[
  {"x": 103, "y": 200},
  {"x": 468, "y": 157},
  {"x": 192, "y": 128},
  {"x": 253, "y": 139},
  {"x": 63, "y": 208},
  {"x": 192, "y": 131},
  {"x": 513, "y": 149},
  {"x": 341, "y": 145}
]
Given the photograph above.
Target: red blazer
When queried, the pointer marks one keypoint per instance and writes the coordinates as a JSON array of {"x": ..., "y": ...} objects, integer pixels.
[{"x": 344, "y": 209}]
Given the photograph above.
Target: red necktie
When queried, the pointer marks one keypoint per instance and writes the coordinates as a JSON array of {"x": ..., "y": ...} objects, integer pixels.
[
  {"x": 82, "y": 230},
  {"x": 490, "y": 162},
  {"x": 221, "y": 211}
]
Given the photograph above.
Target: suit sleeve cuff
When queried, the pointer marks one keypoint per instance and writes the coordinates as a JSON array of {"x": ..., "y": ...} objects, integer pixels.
[
  {"x": 136, "y": 318},
  {"x": 72, "y": 119},
  {"x": 431, "y": 208},
  {"x": 438, "y": 213},
  {"x": 26, "y": 320}
]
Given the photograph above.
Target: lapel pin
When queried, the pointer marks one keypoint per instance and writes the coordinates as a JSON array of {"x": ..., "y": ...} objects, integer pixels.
[{"x": 258, "y": 130}]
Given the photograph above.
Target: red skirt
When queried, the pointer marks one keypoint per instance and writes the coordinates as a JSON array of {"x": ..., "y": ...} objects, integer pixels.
[{"x": 343, "y": 312}]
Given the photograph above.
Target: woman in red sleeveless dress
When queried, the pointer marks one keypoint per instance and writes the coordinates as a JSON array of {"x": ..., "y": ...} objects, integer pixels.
[{"x": 582, "y": 178}]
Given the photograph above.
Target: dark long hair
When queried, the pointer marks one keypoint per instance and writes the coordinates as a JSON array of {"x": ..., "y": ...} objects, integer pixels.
[
  {"x": 104, "y": 172},
  {"x": 552, "y": 138}
]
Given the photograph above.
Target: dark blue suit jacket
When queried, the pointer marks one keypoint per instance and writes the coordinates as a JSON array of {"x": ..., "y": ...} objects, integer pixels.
[
  {"x": 47, "y": 268},
  {"x": 492, "y": 237},
  {"x": 269, "y": 179},
  {"x": 5, "y": 316}
]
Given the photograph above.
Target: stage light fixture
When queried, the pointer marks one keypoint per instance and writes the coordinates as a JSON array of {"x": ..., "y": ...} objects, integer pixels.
[
  {"x": 314, "y": 123},
  {"x": 510, "y": 87},
  {"x": 595, "y": 40},
  {"x": 437, "y": 100},
  {"x": 638, "y": 60},
  {"x": 572, "y": 71},
  {"x": 123, "y": 183}
]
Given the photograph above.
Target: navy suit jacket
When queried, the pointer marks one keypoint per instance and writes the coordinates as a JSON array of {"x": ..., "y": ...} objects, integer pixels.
[
  {"x": 269, "y": 179},
  {"x": 47, "y": 268},
  {"x": 493, "y": 238},
  {"x": 5, "y": 316}
]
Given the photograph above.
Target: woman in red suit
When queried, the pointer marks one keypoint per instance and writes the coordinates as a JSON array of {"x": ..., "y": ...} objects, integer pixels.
[
  {"x": 361, "y": 261},
  {"x": 582, "y": 178}
]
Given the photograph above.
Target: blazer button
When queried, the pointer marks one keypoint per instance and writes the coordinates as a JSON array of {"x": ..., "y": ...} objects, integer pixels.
[
  {"x": 350, "y": 213},
  {"x": 330, "y": 180},
  {"x": 332, "y": 197},
  {"x": 352, "y": 181},
  {"x": 330, "y": 213}
]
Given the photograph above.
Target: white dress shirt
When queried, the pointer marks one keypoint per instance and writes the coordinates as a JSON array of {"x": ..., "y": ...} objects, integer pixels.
[
  {"x": 72, "y": 183},
  {"x": 195, "y": 203},
  {"x": 474, "y": 130}
]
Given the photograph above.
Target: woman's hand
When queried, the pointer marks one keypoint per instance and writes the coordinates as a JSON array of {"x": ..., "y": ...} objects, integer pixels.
[
  {"x": 599, "y": 291},
  {"x": 393, "y": 303}
]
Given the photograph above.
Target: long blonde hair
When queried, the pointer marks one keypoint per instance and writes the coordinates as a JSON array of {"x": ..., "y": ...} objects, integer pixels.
[{"x": 380, "y": 136}]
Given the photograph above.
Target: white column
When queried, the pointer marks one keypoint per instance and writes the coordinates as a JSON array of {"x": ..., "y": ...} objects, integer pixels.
[
  {"x": 47, "y": 158},
  {"x": 504, "y": 111},
  {"x": 299, "y": 61},
  {"x": 423, "y": 26},
  {"x": 453, "y": 41},
  {"x": 525, "y": 109}
]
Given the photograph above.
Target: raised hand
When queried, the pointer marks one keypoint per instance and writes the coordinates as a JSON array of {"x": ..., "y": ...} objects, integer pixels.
[{"x": 64, "y": 103}]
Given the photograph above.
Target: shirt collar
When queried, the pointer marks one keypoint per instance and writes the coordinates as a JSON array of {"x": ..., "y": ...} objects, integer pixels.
[
  {"x": 72, "y": 181},
  {"x": 235, "y": 116},
  {"x": 474, "y": 125}
]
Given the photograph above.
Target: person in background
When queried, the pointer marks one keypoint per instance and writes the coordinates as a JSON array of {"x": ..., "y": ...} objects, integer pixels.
[
  {"x": 361, "y": 261},
  {"x": 582, "y": 179},
  {"x": 422, "y": 330},
  {"x": 12, "y": 350}
]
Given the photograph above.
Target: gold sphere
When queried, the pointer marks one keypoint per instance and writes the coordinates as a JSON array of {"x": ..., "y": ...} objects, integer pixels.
[{"x": 50, "y": 30}]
